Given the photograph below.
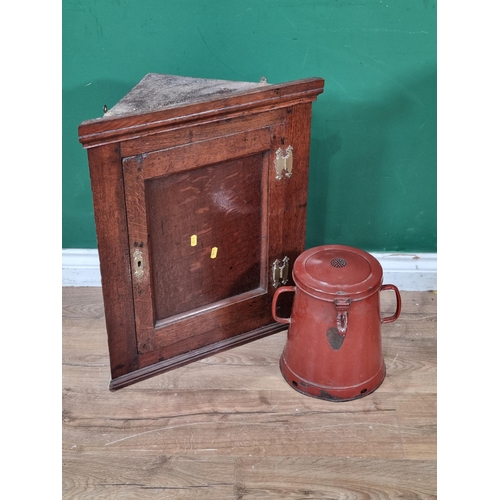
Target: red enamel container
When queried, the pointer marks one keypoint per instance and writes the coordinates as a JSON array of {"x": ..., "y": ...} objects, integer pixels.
[{"x": 334, "y": 345}]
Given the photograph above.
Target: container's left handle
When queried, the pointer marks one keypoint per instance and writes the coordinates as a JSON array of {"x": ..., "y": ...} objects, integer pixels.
[{"x": 277, "y": 293}]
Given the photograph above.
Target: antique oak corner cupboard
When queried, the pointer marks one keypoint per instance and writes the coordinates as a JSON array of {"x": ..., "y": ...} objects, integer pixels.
[{"x": 200, "y": 190}]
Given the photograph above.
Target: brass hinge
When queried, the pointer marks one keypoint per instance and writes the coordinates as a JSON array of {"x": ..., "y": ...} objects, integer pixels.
[
  {"x": 279, "y": 272},
  {"x": 284, "y": 162}
]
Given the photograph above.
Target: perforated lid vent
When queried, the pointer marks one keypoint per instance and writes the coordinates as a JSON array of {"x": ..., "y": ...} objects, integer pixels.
[{"x": 337, "y": 262}]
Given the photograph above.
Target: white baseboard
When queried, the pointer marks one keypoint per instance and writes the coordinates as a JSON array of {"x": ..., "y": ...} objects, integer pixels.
[
  {"x": 410, "y": 272},
  {"x": 80, "y": 267}
]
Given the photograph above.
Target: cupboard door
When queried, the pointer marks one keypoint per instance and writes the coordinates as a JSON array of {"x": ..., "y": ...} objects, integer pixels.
[{"x": 199, "y": 241}]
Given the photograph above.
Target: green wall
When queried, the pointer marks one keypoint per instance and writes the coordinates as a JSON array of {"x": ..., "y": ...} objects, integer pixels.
[{"x": 373, "y": 152}]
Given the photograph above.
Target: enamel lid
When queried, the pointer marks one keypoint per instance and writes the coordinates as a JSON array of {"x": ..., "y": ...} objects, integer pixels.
[{"x": 330, "y": 272}]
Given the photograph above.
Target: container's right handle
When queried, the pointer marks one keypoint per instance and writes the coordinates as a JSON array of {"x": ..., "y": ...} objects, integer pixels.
[
  {"x": 280, "y": 290},
  {"x": 390, "y": 319}
]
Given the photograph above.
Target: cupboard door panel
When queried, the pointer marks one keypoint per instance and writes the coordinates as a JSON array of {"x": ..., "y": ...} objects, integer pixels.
[
  {"x": 205, "y": 234},
  {"x": 198, "y": 233}
]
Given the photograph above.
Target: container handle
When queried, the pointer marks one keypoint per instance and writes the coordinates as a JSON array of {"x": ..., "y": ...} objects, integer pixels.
[
  {"x": 280, "y": 290},
  {"x": 390, "y": 319}
]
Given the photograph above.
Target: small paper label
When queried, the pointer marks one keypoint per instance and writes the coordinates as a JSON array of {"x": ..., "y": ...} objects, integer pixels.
[
  {"x": 194, "y": 240},
  {"x": 213, "y": 255}
]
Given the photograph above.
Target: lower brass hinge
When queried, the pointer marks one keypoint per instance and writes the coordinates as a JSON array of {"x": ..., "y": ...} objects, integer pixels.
[{"x": 279, "y": 272}]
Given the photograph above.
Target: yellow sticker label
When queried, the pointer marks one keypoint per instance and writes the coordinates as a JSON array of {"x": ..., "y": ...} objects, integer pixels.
[
  {"x": 214, "y": 253},
  {"x": 194, "y": 240}
]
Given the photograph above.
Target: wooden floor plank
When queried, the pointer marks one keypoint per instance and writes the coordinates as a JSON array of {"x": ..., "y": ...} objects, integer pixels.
[
  {"x": 134, "y": 405},
  {"x": 364, "y": 434},
  {"x": 417, "y": 416},
  {"x": 334, "y": 478},
  {"x": 146, "y": 476}
]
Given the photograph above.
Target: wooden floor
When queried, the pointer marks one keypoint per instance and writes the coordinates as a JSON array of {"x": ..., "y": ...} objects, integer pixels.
[{"x": 230, "y": 427}]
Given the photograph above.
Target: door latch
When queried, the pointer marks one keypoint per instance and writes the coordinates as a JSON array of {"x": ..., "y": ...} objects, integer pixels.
[{"x": 279, "y": 272}]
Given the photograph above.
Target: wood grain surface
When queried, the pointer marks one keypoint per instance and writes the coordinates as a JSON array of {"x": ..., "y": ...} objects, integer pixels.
[{"x": 230, "y": 427}]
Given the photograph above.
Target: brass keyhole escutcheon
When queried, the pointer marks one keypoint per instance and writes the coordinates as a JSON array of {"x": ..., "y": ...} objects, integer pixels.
[{"x": 138, "y": 264}]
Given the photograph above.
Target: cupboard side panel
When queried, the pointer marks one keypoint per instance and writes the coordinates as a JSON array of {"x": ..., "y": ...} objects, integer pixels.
[
  {"x": 298, "y": 129},
  {"x": 289, "y": 194},
  {"x": 276, "y": 202},
  {"x": 112, "y": 242},
  {"x": 278, "y": 193}
]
